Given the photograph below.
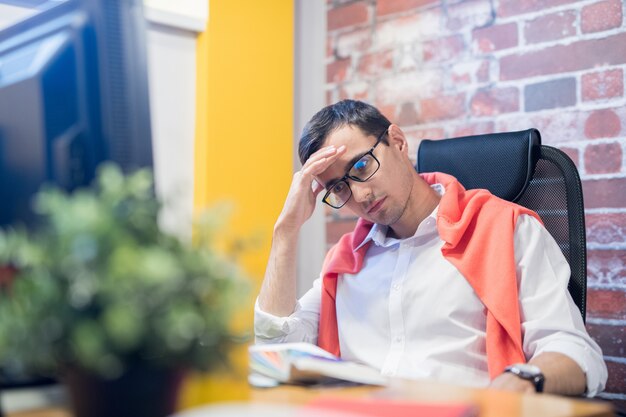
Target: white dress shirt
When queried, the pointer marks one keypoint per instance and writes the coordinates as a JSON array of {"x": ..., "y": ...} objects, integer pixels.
[{"x": 410, "y": 313}]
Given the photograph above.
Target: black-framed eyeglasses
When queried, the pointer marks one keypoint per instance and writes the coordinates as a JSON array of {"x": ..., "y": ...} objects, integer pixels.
[{"x": 363, "y": 169}]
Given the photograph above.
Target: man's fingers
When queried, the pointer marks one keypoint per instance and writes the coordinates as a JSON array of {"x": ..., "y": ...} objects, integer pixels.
[
  {"x": 322, "y": 159},
  {"x": 316, "y": 187},
  {"x": 316, "y": 167}
]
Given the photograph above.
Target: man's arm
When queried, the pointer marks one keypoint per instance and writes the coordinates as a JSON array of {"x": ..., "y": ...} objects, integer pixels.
[
  {"x": 555, "y": 338},
  {"x": 278, "y": 291},
  {"x": 562, "y": 376}
]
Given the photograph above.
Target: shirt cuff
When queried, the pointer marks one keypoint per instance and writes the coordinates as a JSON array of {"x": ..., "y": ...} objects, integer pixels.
[
  {"x": 269, "y": 326},
  {"x": 594, "y": 368}
]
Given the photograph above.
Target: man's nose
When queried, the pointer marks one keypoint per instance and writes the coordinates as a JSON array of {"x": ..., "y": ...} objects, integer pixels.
[{"x": 360, "y": 191}]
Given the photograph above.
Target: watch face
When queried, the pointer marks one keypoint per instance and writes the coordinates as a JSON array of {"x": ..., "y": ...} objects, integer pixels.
[{"x": 529, "y": 372}]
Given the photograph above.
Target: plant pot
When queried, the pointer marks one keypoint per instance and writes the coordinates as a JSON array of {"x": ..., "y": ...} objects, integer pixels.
[{"x": 142, "y": 391}]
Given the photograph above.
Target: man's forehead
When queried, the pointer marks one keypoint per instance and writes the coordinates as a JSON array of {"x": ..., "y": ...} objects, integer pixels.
[
  {"x": 356, "y": 142},
  {"x": 348, "y": 135}
]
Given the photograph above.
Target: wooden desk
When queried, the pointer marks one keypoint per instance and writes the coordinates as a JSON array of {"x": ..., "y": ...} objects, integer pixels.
[{"x": 491, "y": 403}]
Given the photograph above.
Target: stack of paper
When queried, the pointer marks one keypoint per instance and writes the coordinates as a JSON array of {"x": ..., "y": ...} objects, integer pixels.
[{"x": 301, "y": 363}]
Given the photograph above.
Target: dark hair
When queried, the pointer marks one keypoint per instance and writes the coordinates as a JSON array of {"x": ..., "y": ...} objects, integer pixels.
[{"x": 346, "y": 112}]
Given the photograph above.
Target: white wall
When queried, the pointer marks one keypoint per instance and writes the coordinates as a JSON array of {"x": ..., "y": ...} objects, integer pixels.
[
  {"x": 191, "y": 15},
  {"x": 172, "y": 31},
  {"x": 310, "y": 78},
  {"x": 172, "y": 77}
]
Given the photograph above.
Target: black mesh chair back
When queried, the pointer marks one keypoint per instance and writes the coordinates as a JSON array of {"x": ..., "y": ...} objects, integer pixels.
[{"x": 516, "y": 167}]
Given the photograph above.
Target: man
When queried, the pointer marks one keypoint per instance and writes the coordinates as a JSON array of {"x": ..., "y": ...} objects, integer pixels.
[{"x": 435, "y": 281}]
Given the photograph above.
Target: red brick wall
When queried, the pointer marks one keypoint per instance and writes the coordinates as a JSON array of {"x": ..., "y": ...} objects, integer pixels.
[{"x": 452, "y": 68}]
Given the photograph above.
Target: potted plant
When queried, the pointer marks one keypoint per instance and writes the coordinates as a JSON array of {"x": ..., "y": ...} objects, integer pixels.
[{"x": 111, "y": 303}]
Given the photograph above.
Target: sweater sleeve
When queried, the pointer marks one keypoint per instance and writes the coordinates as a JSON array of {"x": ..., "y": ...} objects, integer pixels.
[
  {"x": 551, "y": 321},
  {"x": 300, "y": 326}
]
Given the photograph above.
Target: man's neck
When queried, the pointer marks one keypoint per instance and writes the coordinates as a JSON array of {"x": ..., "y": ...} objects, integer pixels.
[{"x": 422, "y": 202}]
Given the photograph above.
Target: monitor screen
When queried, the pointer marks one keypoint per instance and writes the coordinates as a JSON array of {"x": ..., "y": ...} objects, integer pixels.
[{"x": 73, "y": 93}]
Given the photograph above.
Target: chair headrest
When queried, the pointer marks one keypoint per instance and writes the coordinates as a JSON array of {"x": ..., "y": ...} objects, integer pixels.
[{"x": 502, "y": 163}]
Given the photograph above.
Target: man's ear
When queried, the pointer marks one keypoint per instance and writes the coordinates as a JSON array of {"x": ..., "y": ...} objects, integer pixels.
[{"x": 397, "y": 138}]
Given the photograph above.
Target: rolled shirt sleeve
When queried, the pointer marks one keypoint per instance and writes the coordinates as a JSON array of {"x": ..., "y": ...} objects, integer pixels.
[
  {"x": 551, "y": 321},
  {"x": 300, "y": 326}
]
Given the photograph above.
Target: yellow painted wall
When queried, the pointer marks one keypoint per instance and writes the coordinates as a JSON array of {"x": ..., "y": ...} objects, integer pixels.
[{"x": 243, "y": 140}]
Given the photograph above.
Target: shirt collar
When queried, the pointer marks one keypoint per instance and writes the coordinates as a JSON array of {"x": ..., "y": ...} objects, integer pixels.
[{"x": 378, "y": 232}]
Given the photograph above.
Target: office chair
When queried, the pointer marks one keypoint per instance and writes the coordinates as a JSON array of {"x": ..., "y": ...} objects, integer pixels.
[{"x": 516, "y": 167}]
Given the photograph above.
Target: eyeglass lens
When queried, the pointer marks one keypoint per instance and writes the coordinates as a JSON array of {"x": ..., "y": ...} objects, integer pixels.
[{"x": 361, "y": 171}]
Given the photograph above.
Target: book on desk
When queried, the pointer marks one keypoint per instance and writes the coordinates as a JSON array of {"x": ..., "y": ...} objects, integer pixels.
[{"x": 305, "y": 363}]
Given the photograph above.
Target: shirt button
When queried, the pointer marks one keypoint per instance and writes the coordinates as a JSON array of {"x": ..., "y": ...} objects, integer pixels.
[
  {"x": 396, "y": 287},
  {"x": 398, "y": 339}
]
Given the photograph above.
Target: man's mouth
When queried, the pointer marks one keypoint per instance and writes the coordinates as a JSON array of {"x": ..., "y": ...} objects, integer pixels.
[{"x": 376, "y": 206}]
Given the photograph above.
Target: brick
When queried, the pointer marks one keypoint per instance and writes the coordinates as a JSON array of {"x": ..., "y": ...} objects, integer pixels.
[
  {"x": 604, "y": 158},
  {"x": 358, "y": 90},
  {"x": 443, "y": 49},
  {"x": 575, "y": 56},
  {"x": 415, "y": 137},
  {"x": 348, "y": 43},
  {"x": 459, "y": 79},
  {"x": 409, "y": 86},
  {"x": 442, "y": 107},
  {"x": 467, "y": 71},
  {"x": 555, "y": 131},
  {"x": 468, "y": 15},
  {"x": 617, "y": 376},
  {"x": 349, "y": 15},
  {"x": 409, "y": 57},
  {"x": 426, "y": 133},
  {"x": 602, "y": 85},
  {"x": 606, "y": 267},
  {"x": 551, "y": 27},
  {"x": 408, "y": 115},
  {"x": 514, "y": 7},
  {"x": 337, "y": 71},
  {"x": 605, "y": 193},
  {"x": 483, "y": 72},
  {"x": 330, "y": 46},
  {"x": 407, "y": 29},
  {"x": 388, "y": 110},
  {"x": 471, "y": 129},
  {"x": 387, "y": 7},
  {"x": 572, "y": 153},
  {"x": 606, "y": 304},
  {"x": 375, "y": 63},
  {"x": 611, "y": 338},
  {"x": 336, "y": 229},
  {"x": 491, "y": 102},
  {"x": 495, "y": 38},
  {"x": 606, "y": 229},
  {"x": 600, "y": 16},
  {"x": 550, "y": 94},
  {"x": 603, "y": 123}
]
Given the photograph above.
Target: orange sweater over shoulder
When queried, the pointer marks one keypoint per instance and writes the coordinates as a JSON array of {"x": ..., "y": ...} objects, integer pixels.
[{"x": 477, "y": 229}]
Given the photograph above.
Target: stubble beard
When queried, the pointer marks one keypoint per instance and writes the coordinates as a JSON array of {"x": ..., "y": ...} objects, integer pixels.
[{"x": 397, "y": 212}]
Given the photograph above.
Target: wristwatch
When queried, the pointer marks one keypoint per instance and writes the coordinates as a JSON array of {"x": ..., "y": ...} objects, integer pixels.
[{"x": 528, "y": 372}]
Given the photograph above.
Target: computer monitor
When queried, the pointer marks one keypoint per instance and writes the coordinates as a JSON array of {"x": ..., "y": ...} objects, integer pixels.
[{"x": 73, "y": 93}]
